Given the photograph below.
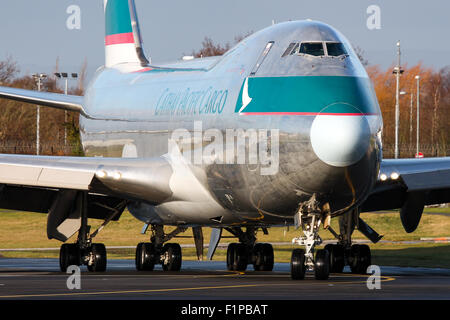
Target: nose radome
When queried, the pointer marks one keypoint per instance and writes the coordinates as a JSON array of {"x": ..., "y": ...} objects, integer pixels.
[{"x": 340, "y": 140}]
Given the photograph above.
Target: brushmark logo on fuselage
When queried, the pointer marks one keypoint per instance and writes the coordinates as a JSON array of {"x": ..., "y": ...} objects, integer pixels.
[{"x": 190, "y": 102}]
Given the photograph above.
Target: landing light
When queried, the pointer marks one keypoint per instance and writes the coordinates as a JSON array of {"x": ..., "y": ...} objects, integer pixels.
[
  {"x": 117, "y": 175},
  {"x": 383, "y": 177},
  {"x": 101, "y": 174},
  {"x": 394, "y": 175}
]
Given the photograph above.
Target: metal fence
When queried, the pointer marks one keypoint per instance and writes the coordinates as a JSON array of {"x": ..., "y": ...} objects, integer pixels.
[
  {"x": 408, "y": 151},
  {"x": 59, "y": 149},
  {"x": 49, "y": 149}
]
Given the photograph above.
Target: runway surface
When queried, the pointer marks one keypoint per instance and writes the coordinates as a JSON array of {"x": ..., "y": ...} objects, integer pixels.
[{"x": 41, "y": 279}]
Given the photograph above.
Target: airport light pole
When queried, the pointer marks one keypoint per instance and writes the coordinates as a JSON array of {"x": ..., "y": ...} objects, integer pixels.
[
  {"x": 397, "y": 71},
  {"x": 418, "y": 114},
  {"x": 410, "y": 119},
  {"x": 38, "y": 78},
  {"x": 65, "y": 76},
  {"x": 410, "y": 114}
]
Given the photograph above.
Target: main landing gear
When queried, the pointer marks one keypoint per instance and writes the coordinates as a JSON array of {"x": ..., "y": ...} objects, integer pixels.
[
  {"x": 240, "y": 255},
  {"x": 156, "y": 252},
  {"x": 94, "y": 256},
  {"x": 84, "y": 252},
  {"x": 357, "y": 256},
  {"x": 334, "y": 257}
]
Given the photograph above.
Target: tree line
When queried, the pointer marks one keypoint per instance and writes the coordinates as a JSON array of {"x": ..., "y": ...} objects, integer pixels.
[
  {"x": 18, "y": 120},
  {"x": 434, "y": 109}
]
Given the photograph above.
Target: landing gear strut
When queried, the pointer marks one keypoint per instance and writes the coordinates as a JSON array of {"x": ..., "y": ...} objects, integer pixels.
[
  {"x": 84, "y": 252},
  {"x": 240, "y": 255},
  {"x": 310, "y": 215},
  {"x": 156, "y": 252},
  {"x": 357, "y": 256},
  {"x": 333, "y": 257}
]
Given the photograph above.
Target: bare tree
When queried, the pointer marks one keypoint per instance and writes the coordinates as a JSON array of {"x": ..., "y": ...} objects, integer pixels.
[
  {"x": 360, "y": 53},
  {"x": 8, "y": 70},
  {"x": 211, "y": 49}
]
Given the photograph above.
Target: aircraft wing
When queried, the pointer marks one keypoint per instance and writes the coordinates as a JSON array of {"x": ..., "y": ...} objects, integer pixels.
[
  {"x": 54, "y": 100},
  {"x": 401, "y": 179},
  {"x": 31, "y": 183}
]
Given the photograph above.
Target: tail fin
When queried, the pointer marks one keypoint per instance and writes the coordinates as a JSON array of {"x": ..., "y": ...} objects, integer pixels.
[{"x": 123, "y": 42}]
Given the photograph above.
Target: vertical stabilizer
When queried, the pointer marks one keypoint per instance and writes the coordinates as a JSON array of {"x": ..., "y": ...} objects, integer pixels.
[{"x": 123, "y": 41}]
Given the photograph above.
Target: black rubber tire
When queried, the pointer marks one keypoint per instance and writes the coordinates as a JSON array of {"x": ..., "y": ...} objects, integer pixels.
[
  {"x": 69, "y": 254},
  {"x": 145, "y": 256},
  {"x": 298, "y": 267},
  {"x": 98, "y": 251},
  {"x": 175, "y": 258},
  {"x": 337, "y": 257},
  {"x": 230, "y": 256},
  {"x": 262, "y": 257},
  {"x": 138, "y": 257},
  {"x": 322, "y": 264},
  {"x": 240, "y": 257},
  {"x": 257, "y": 257},
  {"x": 268, "y": 257},
  {"x": 366, "y": 258},
  {"x": 360, "y": 258}
]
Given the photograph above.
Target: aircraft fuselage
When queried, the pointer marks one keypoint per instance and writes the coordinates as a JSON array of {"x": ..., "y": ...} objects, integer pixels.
[{"x": 315, "y": 119}]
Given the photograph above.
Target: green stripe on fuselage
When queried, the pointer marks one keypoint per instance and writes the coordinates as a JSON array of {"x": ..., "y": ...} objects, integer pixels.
[
  {"x": 118, "y": 18},
  {"x": 309, "y": 94}
]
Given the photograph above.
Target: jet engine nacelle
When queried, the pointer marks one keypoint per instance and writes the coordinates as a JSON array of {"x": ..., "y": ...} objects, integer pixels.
[{"x": 412, "y": 210}]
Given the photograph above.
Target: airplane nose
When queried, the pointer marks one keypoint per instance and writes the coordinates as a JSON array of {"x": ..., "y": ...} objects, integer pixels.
[{"x": 340, "y": 140}]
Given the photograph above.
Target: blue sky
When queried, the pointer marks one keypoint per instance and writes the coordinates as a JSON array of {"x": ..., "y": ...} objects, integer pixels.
[{"x": 35, "y": 32}]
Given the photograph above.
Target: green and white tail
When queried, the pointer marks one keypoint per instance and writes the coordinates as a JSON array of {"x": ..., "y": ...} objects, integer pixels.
[{"x": 123, "y": 42}]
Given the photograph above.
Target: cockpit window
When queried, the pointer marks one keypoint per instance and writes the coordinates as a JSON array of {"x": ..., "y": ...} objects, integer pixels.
[
  {"x": 316, "y": 48},
  {"x": 335, "y": 49},
  {"x": 289, "y": 49},
  {"x": 312, "y": 48}
]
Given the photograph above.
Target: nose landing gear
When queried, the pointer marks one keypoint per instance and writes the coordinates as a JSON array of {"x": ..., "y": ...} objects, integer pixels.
[
  {"x": 334, "y": 257},
  {"x": 320, "y": 263},
  {"x": 310, "y": 215}
]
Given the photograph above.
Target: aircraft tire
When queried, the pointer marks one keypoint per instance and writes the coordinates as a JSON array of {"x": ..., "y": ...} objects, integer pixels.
[
  {"x": 268, "y": 257},
  {"x": 173, "y": 259},
  {"x": 337, "y": 260},
  {"x": 69, "y": 254},
  {"x": 145, "y": 256},
  {"x": 298, "y": 267},
  {"x": 98, "y": 252},
  {"x": 262, "y": 257},
  {"x": 360, "y": 258},
  {"x": 322, "y": 264},
  {"x": 230, "y": 256},
  {"x": 240, "y": 257}
]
